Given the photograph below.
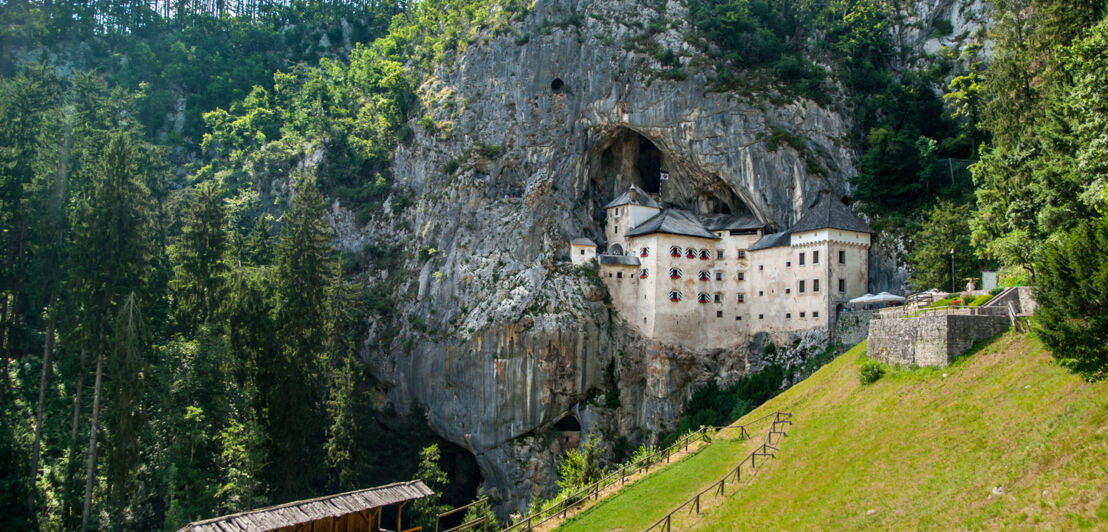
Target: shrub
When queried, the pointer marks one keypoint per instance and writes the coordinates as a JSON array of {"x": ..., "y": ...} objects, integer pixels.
[
  {"x": 871, "y": 372},
  {"x": 581, "y": 466}
]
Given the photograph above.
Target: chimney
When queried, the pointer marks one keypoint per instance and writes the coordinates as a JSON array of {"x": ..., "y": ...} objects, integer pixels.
[{"x": 632, "y": 193}]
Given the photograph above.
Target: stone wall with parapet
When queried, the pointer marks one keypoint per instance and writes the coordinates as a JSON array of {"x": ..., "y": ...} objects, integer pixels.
[{"x": 931, "y": 339}]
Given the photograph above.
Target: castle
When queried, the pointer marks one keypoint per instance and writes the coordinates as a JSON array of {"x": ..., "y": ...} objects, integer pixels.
[{"x": 710, "y": 282}]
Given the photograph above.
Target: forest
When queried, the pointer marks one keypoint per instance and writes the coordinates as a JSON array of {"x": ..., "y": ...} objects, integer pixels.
[{"x": 173, "y": 343}]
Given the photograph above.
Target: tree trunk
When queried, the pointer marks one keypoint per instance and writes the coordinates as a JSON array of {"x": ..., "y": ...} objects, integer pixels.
[
  {"x": 90, "y": 471},
  {"x": 47, "y": 356},
  {"x": 67, "y": 504}
]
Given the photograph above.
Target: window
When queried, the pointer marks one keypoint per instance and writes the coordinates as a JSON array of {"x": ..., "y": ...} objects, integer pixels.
[
  {"x": 619, "y": 275},
  {"x": 719, "y": 313},
  {"x": 705, "y": 255},
  {"x": 703, "y": 275},
  {"x": 742, "y": 298},
  {"x": 788, "y": 264},
  {"x": 788, "y": 290},
  {"x": 717, "y": 298},
  {"x": 609, "y": 274},
  {"x": 761, "y": 292},
  {"x": 801, "y": 314},
  {"x": 842, "y": 285},
  {"x": 690, "y": 253},
  {"x": 815, "y": 257},
  {"x": 582, "y": 252},
  {"x": 702, "y": 297},
  {"x": 644, "y": 252},
  {"x": 801, "y": 287},
  {"x": 815, "y": 314},
  {"x": 738, "y": 318},
  {"x": 719, "y": 276},
  {"x": 719, "y": 253},
  {"x": 801, "y": 262},
  {"x": 760, "y": 268},
  {"x": 788, "y": 315},
  {"x": 761, "y": 316},
  {"x": 842, "y": 257},
  {"x": 675, "y": 251},
  {"x": 675, "y": 273},
  {"x": 644, "y": 273},
  {"x": 815, "y": 285},
  {"x": 742, "y": 276},
  {"x": 675, "y": 296},
  {"x": 742, "y": 253}
]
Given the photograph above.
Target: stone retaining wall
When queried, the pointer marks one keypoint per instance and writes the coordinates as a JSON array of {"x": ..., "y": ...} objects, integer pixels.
[
  {"x": 930, "y": 340},
  {"x": 851, "y": 327}
]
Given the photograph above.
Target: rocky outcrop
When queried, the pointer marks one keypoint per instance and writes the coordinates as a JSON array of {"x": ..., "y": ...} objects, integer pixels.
[{"x": 526, "y": 136}]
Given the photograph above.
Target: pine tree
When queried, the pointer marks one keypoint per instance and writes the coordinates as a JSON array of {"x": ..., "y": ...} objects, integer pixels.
[
  {"x": 296, "y": 375},
  {"x": 200, "y": 280}
]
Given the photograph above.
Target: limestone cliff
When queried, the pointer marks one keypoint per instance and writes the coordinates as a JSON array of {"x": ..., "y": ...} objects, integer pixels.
[{"x": 526, "y": 136}]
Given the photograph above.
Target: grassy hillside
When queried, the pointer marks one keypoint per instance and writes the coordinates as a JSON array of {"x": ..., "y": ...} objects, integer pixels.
[{"x": 916, "y": 449}]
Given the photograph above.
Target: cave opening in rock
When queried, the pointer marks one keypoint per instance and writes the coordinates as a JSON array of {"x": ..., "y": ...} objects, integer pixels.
[
  {"x": 557, "y": 85},
  {"x": 463, "y": 477},
  {"x": 568, "y": 424},
  {"x": 649, "y": 165}
]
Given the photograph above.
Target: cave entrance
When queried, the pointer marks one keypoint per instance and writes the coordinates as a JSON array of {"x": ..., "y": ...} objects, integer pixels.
[
  {"x": 570, "y": 431},
  {"x": 463, "y": 477},
  {"x": 649, "y": 165},
  {"x": 626, "y": 158}
]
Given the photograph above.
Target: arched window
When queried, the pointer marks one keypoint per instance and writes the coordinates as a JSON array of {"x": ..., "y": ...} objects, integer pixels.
[
  {"x": 703, "y": 298},
  {"x": 675, "y": 295},
  {"x": 675, "y": 251},
  {"x": 675, "y": 273},
  {"x": 644, "y": 252},
  {"x": 690, "y": 253},
  {"x": 703, "y": 275},
  {"x": 705, "y": 254},
  {"x": 644, "y": 273},
  {"x": 615, "y": 249}
]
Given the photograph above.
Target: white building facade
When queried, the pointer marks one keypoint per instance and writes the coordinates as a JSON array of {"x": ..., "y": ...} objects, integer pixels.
[{"x": 711, "y": 282}]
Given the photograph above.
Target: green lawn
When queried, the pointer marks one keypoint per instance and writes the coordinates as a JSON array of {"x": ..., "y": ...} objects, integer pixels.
[
  {"x": 915, "y": 450},
  {"x": 645, "y": 501}
]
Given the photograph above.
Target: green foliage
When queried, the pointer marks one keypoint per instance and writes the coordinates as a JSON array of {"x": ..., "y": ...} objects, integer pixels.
[
  {"x": 946, "y": 227},
  {"x": 611, "y": 399},
  {"x": 711, "y": 405},
  {"x": 1046, "y": 111},
  {"x": 1072, "y": 291},
  {"x": 581, "y": 467},
  {"x": 484, "y": 509},
  {"x": 424, "y": 510},
  {"x": 870, "y": 372}
]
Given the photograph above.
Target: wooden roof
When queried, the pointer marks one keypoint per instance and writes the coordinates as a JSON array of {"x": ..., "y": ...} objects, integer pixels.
[{"x": 299, "y": 512}]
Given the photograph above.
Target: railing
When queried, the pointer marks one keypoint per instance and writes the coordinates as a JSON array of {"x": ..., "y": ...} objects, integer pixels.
[
  {"x": 946, "y": 310},
  {"x": 592, "y": 491},
  {"x": 665, "y": 524},
  {"x": 438, "y": 518}
]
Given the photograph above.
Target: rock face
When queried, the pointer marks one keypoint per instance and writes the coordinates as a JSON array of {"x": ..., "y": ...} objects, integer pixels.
[{"x": 521, "y": 147}]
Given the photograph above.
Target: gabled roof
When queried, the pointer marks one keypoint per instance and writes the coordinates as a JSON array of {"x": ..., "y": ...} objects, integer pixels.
[
  {"x": 308, "y": 511},
  {"x": 641, "y": 198},
  {"x": 622, "y": 260},
  {"x": 771, "y": 240},
  {"x": 582, "y": 242},
  {"x": 726, "y": 222},
  {"x": 830, "y": 213},
  {"x": 675, "y": 222}
]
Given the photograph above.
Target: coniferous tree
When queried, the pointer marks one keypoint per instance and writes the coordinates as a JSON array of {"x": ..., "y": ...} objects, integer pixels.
[
  {"x": 200, "y": 279},
  {"x": 296, "y": 374}
]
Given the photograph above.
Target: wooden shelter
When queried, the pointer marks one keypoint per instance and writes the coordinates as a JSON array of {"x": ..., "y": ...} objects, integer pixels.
[{"x": 353, "y": 511}]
